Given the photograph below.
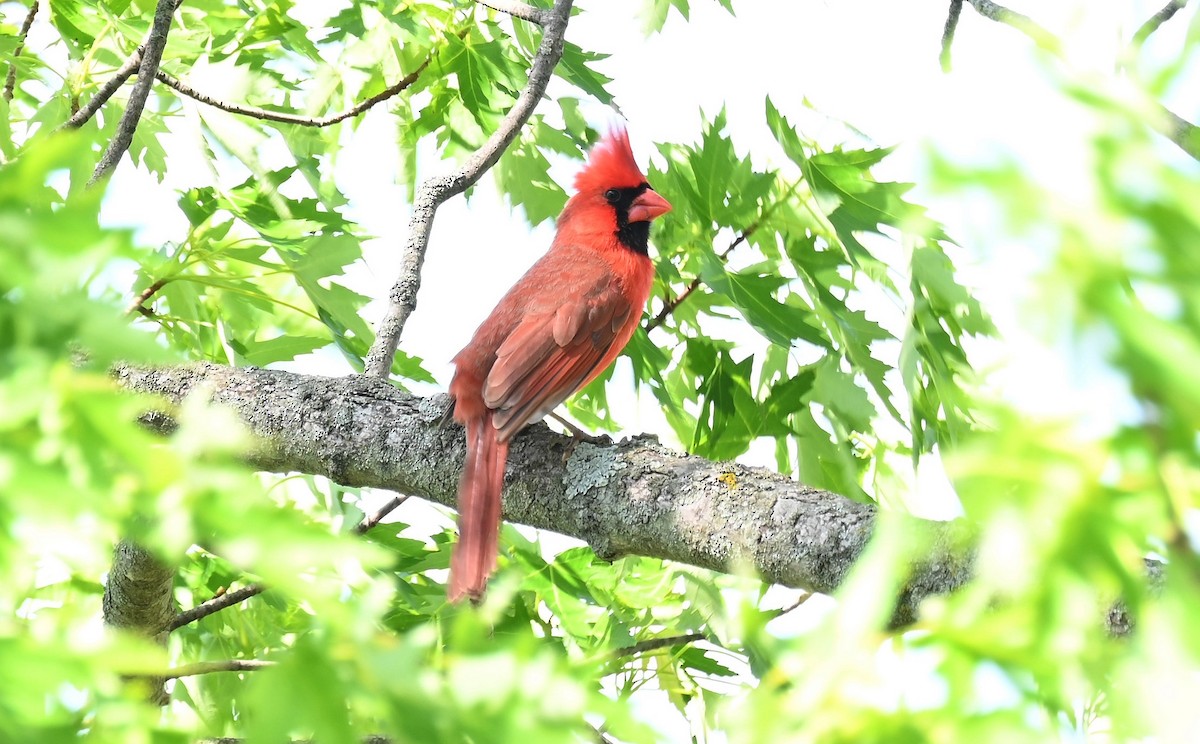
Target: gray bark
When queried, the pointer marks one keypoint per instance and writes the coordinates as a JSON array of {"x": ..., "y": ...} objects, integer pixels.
[
  {"x": 633, "y": 497},
  {"x": 138, "y": 598}
]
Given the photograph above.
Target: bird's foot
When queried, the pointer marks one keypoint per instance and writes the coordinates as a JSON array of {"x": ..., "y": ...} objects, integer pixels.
[{"x": 580, "y": 435}]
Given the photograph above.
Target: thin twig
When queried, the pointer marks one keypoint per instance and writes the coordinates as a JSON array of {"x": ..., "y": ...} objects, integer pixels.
[
  {"x": 216, "y": 604},
  {"x": 794, "y": 605},
  {"x": 208, "y": 667},
  {"x": 948, "y": 33},
  {"x": 670, "y": 305},
  {"x": 304, "y": 121},
  {"x": 151, "y": 58},
  {"x": 370, "y": 521},
  {"x": 1151, "y": 25},
  {"x": 402, "y": 299},
  {"x": 653, "y": 644},
  {"x": 517, "y": 10},
  {"x": 10, "y": 83},
  {"x": 1175, "y": 128},
  {"x": 138, "y": 305},
  {"x": 114, "y": 83}
]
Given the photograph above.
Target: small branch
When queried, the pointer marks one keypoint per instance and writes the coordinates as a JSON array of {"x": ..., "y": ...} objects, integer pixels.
[
  {"x": 653, "y": 644},
  {"x": 670, "y": 305},
  {"x": 10, "y": 82},
  {"x": 435, "y": 191},
  {"x": 304, "y": 121},
  {"x": 209, "y": 667},
  {"x": 517, "y": 10},
  {"x": 216, "y": 604},
  {"x": 81, "y": 117},
  {"x": 795, "y": 605},
  {"x": 151, "y": 58},
  {"x": 370, "y": 521},
  {"x": 1151, "y": 25},
  {"x": 138, "y": 305},
  {"x": 948, "y": 33}
]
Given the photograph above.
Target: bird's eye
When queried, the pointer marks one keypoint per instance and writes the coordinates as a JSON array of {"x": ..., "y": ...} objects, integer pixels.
[{"x": 612, "y": 195}]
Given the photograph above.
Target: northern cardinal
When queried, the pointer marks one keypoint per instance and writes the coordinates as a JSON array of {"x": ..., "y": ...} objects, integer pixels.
[{"x": 558, "y": 327}]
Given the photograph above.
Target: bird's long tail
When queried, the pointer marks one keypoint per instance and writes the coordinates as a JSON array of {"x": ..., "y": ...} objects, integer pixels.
[{"x": 474, "y": 556}]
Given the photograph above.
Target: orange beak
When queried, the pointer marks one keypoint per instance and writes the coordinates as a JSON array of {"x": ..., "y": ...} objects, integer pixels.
[{"x": 647, "y": 206}]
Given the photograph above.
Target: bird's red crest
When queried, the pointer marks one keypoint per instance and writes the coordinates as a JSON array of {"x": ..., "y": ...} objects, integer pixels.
[{"x": 610, "y": 165}]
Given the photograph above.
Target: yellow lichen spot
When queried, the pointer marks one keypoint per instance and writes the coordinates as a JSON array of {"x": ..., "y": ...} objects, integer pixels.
[{"x": 729, "y": 479}]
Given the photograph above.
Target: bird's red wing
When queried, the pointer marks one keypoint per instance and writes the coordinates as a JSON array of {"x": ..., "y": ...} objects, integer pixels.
[{"x": 550, "y": 355}]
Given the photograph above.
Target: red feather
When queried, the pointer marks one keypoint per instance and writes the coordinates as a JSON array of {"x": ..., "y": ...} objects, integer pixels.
[{"x": 559, "y": 327}]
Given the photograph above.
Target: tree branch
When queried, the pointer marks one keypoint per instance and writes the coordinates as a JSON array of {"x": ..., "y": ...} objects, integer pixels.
[
  {"x": 114, "y": 83},
  {"x": 216, "y": 604},
  {"x": 635, "y": 497},
  {"x": 10, "y": 82},
  {"x": 948, "y": 33},
  {"x": 208, "y": 667},
  {"x": 304, "y": 121},
  {"x": 520, "y": 10},
  {"x": 1175, "y": 128},
  {"x": 138, "y": 598},
  {"x": 435, "y": 191},
  {"x": 653, "y": 644},
  {"x": 670, "y": 305},
  {"x": 1152, "y": 24},
  {"x": 151, "y": 56},
  {"x": 139, "y": 302},
  {"x": 370, "y": 521}
]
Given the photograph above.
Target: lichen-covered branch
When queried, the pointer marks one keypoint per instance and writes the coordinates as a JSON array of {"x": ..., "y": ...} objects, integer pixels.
[
  {"x": 636, "y": 497},
  {"x": 402, "y": 299}
]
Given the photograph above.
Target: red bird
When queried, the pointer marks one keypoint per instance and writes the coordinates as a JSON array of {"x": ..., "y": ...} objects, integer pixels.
[{"x": 558, "y": 327}]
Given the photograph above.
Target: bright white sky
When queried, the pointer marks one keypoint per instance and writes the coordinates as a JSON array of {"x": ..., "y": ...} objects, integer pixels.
[{"x": 872, "y": 63}]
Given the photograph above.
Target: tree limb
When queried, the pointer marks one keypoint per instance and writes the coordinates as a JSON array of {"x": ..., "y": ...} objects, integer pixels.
[
  {"x": 138, "y": 598},
  {"x": 151, "y": 57},
  {"x": 10, "y": 82},
  {"x": 208, "y": 667},
  {"x": 216, "y": 604},
  {"x": 435, "y": 191},
  {"x": 635, "y": 497}
]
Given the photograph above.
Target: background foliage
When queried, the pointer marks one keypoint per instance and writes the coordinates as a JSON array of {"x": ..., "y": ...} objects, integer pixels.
[{"x": 765, "y": 325}]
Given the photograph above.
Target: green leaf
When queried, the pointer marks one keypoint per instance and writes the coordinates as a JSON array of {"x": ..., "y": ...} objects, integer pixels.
[{"x": 574, "y": 69}]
